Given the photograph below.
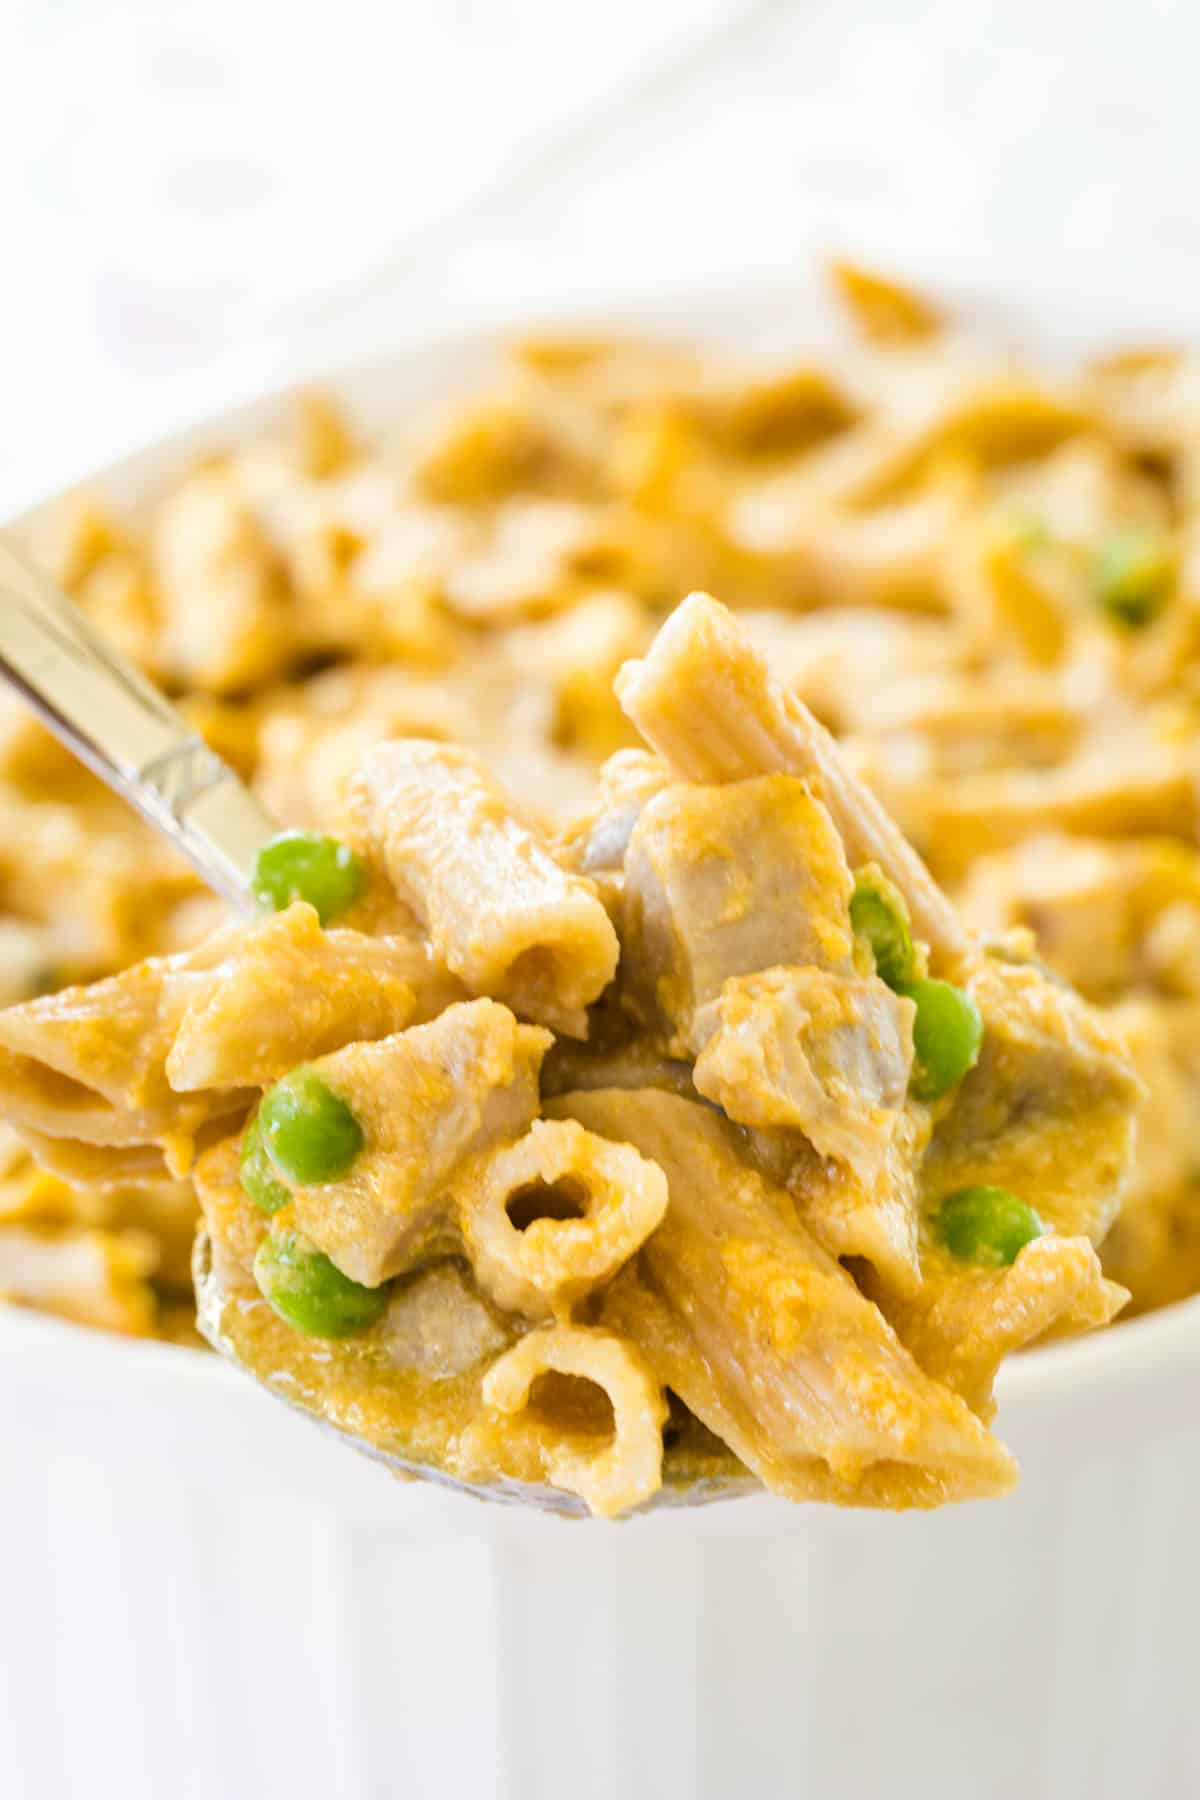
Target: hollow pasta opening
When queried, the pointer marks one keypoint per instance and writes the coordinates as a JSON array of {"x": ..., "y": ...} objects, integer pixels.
[
  {"x": 572, "y": 1404},
  {"x": 564, "y": 1199},
  {"x": 535, "y": 974},
  {"x": 65, "y": 1093}
]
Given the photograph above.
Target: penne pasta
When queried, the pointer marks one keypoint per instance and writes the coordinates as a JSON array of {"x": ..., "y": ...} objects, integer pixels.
[
  {"x": 288, "y": 992},
  {"x": 820, "y": 1386},
  {"x": 88, "y": 1066},
  {"x": 500, "y": 912},
  {"x": 960, "y": 1325}
]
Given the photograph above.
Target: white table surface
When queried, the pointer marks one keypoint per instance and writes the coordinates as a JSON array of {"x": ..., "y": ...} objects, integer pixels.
[{"x": 180, "y": 183}]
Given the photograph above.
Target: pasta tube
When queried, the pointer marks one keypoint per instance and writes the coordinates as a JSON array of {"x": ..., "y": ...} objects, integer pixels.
[
  {"x": 150, "y": 1059},
  {"x": 555, "y": 1215},
  {"x": 815, "y": 1390},
  {"x": 594, "y": 1407},
  {"x": 499, "y": 910},
  {"x": 87, "y": 1066},
  {"x": 872, "y": 1217},
  {"x": 1050, "y": 1108},
  {"x": 705, "y": 700},
  {"x": 828, "y": 1055},
  {"x": 962, "y": 1322},
  {"x": 287, "y": 992}
]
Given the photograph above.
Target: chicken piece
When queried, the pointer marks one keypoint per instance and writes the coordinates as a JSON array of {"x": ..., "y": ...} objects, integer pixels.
[
  {"x": 288, "y": 991},
  {"x": 725, "y": 881},
  {"x": 826, "y": 1111},
  {"x": 425, "y": 1100},
  {"x": 595, "y": 843},
  {"x": 827, "y": 1055},
  {"x": 1070, "y": 894},
  {"x": 1048, "y": 1110},
  {"x": 634, "y": 1063},
  {"x": 767, "y": 1339},
  {"x": 439, "y": 1324}
]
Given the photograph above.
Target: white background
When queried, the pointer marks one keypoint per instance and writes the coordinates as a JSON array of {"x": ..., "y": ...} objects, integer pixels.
[{"x": 182, "y": 181}]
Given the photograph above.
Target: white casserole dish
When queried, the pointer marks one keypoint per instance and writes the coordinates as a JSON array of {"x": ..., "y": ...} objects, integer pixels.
[{"x": 200, "y": 1595}]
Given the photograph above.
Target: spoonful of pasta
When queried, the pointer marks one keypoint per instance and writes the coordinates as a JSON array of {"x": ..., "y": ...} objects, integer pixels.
[{"x": 693, "y": 1148}]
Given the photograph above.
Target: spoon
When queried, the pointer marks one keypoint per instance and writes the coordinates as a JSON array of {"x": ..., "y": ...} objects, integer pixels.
[{"x": 116, "y": 722}]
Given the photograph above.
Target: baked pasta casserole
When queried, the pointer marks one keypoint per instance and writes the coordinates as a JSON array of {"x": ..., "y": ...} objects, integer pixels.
[{"x": 682, "y": 1040}]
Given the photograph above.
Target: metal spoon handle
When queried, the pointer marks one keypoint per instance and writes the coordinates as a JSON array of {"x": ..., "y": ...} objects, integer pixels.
[{"x": 119, "y": 724}]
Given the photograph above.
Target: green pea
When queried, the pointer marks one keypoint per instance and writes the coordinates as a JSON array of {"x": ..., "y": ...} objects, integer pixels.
[
  {"x": 299, "y": 865},
  {"x": 987, "y": 1225},
  {"x": 878, "y": 913},
  {"x": 947, "y": 1035},
  {"x": 257, "y": 1174},
  {"x": 1133, "y": 572},
  {"x": 311, "y": 1292},
  {"x": 1027, "y": 528},
  {"x": 308, "y": 1131}
]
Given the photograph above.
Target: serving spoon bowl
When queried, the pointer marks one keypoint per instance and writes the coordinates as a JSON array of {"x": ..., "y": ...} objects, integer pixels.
[
  {"x": 536, "y": 1496},
  {"x": 109, "y": 715}
]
